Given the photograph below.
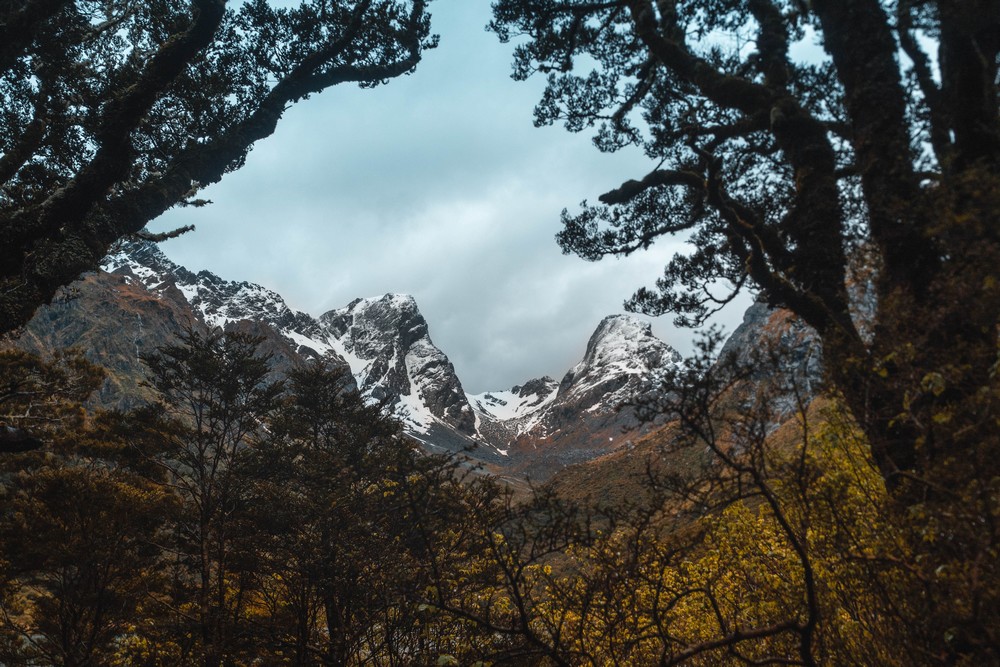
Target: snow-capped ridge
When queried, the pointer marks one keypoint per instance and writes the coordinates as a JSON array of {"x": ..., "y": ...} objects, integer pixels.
[
  {"x": 383, "y": 339},
  {"x": 517, "y": 402},
  {"x": 218, "y": 301},
  {"x": 386, "y": 342},
  {"x": 547, "y": 424}
]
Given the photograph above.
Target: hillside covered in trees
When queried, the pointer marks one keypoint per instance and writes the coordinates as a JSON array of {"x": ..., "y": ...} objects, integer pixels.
[{"x": 245, "y": 520}]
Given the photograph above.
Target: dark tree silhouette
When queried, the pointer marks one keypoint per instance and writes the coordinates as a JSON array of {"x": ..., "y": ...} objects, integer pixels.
[
  {"x": 866, "y": 166},
  {"x": 215, "y": 397},
  {"x": 116, "y": 110},
  {"x": 784, "y": 162}
]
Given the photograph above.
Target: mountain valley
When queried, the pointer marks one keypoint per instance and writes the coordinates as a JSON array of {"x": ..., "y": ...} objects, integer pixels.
[{"x": 141, "y": 300}]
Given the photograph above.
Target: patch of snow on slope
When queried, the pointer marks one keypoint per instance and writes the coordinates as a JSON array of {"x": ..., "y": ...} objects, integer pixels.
[
  {"x": 412, "y": 405},
  {"x": 518, "y": 410},
  {"x": 414, "y": 414},
  {"x": 504, "y": 405},
  {"x": 122, "y": 260},
  {"x": 190, "y": 292},
  {"x": 359, "y": 366},
  {"x": 320, "y": 346}
]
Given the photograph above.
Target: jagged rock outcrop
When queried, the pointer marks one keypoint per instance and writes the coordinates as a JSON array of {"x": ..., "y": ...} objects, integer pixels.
[
  {"x": 214, "y": 301},
  {"x": 387, "y": 343},
  {"x": 591, "y": 411},
  {"x": 782, "y": 353},
  {"x": 144, "y": 300}
]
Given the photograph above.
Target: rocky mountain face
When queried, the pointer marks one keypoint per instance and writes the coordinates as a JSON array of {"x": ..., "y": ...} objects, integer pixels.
[
  {"x": 211, "y": 300},
  {"x": 142, "y": 300},
  {"x": 765, "y": 331},
  {"x": 386, "y": 341},
  {"x": 114, "y": 321},
  {"x": 782, "y": 353},
  {"x": 779, "y": 360},
  {"x": 544, "y": 426}
]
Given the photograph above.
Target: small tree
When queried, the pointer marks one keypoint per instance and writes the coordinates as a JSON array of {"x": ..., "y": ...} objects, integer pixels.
[
  {"x": 78, "y": 536},
  {"x": 215, "y": 399},
  {"x": 81, "y": 549},
  {"x": 333, "y": 486}
]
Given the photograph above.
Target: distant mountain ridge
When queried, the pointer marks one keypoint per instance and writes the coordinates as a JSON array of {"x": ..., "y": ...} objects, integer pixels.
[{"x": 142, "y": 299}]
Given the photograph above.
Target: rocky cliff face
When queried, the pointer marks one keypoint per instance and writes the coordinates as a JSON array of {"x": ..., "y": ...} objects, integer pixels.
[
  {"x": 142, "y": 300},
  {"x": 114, "y": 321},
  {"x": 781, "y": 352},
  {"x": 386, "y": 341}
]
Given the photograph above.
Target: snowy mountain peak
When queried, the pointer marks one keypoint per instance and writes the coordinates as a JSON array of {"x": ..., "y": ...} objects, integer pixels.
[
  {"x": 544, "y": 424},
  {"x": 616, "y": 338},
  {"x": 621, "y": 345},
  {"x": 386, "y": 340},
  {"x": 391, "y": 301},
  {"x": 372, "y": 324},
  {"x": 143, "y": 259}
]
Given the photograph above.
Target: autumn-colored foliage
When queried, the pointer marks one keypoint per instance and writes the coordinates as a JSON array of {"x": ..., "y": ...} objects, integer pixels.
[{"x": 242, "y": 521}]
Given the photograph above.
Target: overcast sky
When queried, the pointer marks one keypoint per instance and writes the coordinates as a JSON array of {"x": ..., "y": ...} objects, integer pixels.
[{"x": 436, "y": 185}]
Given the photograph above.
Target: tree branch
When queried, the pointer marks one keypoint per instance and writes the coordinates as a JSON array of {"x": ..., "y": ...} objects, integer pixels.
[
  {"x": 939, "y": 135},
  {"x": 655, "y": 179},
  {"x": 815, "y": 222},
  {"x": 18, "y": 28},
  {"x": 876, "y": 106}
]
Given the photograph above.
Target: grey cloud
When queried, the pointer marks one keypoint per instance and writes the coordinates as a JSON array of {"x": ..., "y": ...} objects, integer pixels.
[{"x": 435, "y": 185}]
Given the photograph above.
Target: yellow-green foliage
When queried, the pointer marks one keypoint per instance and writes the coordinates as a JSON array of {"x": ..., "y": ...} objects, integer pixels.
[
  {"x": 637, "y": 596},
  {"x": 784, "y": 548}
]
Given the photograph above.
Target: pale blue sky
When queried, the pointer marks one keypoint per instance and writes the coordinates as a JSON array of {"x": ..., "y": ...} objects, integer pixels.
[{"x": 436, "y": 185}]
